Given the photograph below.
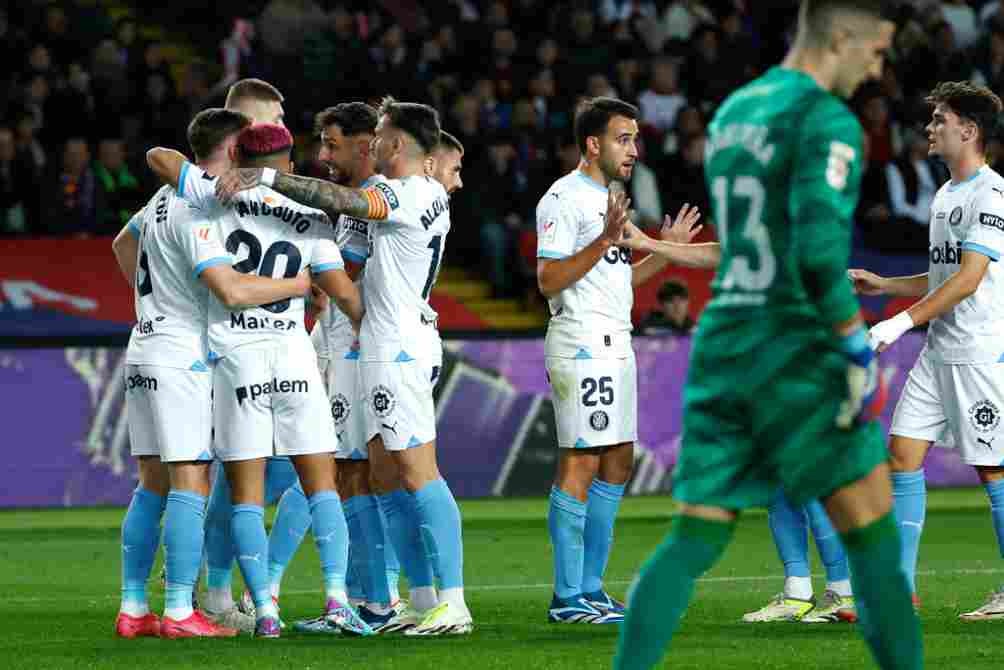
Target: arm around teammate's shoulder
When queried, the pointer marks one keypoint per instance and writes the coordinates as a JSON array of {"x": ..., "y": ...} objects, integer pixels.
[{"x": 167, "y": 164}]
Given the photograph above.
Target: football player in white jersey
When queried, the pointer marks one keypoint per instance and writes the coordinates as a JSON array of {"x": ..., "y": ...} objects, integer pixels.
[
  {"x": 267, "y": 389},
  {"x": 176, "y": 255},
  {"x": 399, "y": 344},
  {"x": 262, "y": 103},
  {"x": 588, "y": 281},
  {"x": 956, "y": 387}
]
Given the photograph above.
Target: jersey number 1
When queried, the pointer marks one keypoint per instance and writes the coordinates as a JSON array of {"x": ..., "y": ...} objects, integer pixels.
[{"x": 436, "y": 244}]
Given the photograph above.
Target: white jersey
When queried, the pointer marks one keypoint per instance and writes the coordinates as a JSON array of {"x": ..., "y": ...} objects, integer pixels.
[
  {"x": 332, "y": 335},
  {"x": 270, "y": 235},
  {"x": 407, "y": 250},
  {"x": 969, "y": 216},
  {"x": 592, "y": 317},
  {"x": 175, "y": 245}
]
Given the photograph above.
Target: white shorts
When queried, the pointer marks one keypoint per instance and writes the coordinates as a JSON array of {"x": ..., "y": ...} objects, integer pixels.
[
  {"x": 344, "y": 387},
  {"x": 595, "y": 400},
  {"x": 169, "y": 412},
  {"x": 399, "y": 404},
  {"x": 270, "y": 401},
  {"x": 962, "y": 403}
]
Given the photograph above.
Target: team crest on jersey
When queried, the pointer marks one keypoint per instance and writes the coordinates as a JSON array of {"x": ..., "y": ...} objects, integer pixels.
[
  {"x": 985, "y": 416},
  {"x": 955, "y": 218},
  {"x": 383, "y": 400},
  {"x": 599, "y": 420},
  {"x": 388, "y": 193},
  {"x": 992, "y": 220},
  {"x": 340, "y": 409}
]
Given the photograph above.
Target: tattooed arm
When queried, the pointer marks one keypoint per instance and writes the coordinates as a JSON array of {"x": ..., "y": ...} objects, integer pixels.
[{"x": 324, "y": 195}]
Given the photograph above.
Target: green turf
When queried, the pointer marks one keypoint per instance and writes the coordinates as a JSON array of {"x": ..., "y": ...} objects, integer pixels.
[{"x": 59, "y": 594}]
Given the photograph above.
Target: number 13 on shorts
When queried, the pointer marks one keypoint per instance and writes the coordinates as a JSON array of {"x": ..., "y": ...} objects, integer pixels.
[{"x": 595, "y": 400}]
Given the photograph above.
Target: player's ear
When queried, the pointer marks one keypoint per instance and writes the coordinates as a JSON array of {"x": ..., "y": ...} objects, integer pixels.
[
  {"x": 430, "y": 165},
  {"x": 592, "y": 146}
]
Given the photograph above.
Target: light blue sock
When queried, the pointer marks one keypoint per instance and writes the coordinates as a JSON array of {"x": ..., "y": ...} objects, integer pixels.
[
  {"x": 995, "y": 490},
  {"x": 368, "y": 544},
  {"x": 292, "y": 521},
  {"x": 601, "y": 513},
  {"x": 566, "y": 521},
  {"x": 390, "y": 556},
  {"x": 399, "y": 512},
  {"x": 184, "y": 517},
  {"x": 355, "y": 577},
  {"x": 909, "y": 500},
  {"x": 332, "y": 538},
  {"x": 140, "y": 538},
  {"x": 219, "y": 544},
  {"x": 251, "y": 544},
  {"x": 442, "y": 532},
  {"x": 831, "y": 549},
  {"x": 280, "y": 475},
  {"x": 788, "y": 526}
]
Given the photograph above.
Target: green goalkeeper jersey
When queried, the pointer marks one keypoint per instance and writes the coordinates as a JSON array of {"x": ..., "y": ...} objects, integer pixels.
[{"x": 783, "y": 165}]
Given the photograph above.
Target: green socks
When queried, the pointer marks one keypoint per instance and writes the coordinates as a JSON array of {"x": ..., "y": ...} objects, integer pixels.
[
  {"x": 662, "y": 591},
  {"x": 885, "y": 611}
]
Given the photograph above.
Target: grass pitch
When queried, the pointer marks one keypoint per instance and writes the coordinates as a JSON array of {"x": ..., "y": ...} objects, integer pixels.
[{"x": 59, "y": 581}]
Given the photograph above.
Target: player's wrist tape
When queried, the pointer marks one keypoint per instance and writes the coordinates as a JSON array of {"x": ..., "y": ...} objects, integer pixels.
[
  {"x": 892, "y": 329},
  {"x": 268, "y": 176},
  {"x": 856, "y": 346}
]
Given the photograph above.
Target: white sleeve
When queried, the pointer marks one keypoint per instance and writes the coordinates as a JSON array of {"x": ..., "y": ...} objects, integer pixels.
[
  {"x": 197, "y": 186},
  {"x": 557, "y": 226},
  {"x": 325, "y": 256},
  {"x": 202, "y": 243},
  {"x": 985, "y": 230},
  {"x": 352, "y": 236}
]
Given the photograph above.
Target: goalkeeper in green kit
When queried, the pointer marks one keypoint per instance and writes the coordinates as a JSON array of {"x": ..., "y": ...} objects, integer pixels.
[{"x": 783, "y": 387}]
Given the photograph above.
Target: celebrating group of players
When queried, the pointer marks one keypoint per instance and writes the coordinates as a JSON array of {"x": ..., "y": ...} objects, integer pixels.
[{"x": 219, "y": 364}]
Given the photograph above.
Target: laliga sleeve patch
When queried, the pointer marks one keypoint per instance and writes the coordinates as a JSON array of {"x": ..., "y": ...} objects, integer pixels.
[
  {"x": 204, "y": 234},
  {"x": 388, "y": 193}
]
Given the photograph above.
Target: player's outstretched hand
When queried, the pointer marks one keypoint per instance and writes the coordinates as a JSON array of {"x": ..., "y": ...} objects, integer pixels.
[
  {"x": 235, "y": 180},
  {"x": 685, "y": 228},
  {"x": 867, "y": 283},
  {"x": 617, "y": 212},
  {"x": 634, "y": 238},
  {"x": 867, "y": 389},
  {"x": 884, "y": 333}
]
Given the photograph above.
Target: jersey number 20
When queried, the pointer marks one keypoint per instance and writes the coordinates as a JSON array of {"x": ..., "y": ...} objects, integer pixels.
[{"x": 264, "y": 266}]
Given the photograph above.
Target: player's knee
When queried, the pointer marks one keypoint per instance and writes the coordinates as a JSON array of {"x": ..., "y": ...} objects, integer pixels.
[
  {"x": 153, "y": 475},
  {"x": 906, "y": 455},
  {"x": 191, "y": 477},
  {"x": 353, "y": 478}
]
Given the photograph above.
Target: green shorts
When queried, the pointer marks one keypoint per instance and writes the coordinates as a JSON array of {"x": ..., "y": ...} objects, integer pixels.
[{"x": 741, "y": 444}]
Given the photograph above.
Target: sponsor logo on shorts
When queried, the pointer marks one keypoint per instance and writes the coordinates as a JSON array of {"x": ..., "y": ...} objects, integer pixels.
[
  {"x": 940, "y": 215},
  {"x": 340, "y": 409},
  {"x": 383, "y": 400},
  {"x": 254, "y": 391},
  {"x": 992, "y": 220},
  {"x": 985, "y": 416},
  {"x": 955, "y": 218},
  {"x": 599, "y": 420},
  {"x": 141, "y": 382},
  {"x": 245, "y": 322},
  {"x": 989, "y": 444}
]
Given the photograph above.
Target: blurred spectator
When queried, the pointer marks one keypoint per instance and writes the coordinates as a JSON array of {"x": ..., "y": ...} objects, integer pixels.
[
  {"x": 196, "y": 88},
  {"x": 499, "y": 216},
  {"x": 286, "y": 25},
  {"x": 663, "y": 99},
  {"x": 392, "y": 61},
  {"x": 29, "y": 149},
  {"x": 962, "y": 18},
  {"x": 627, "y": 75},
  {"x": 882, "y": 132},
  {"x": 130, "y": 51},
  {"x": 90, "y": 20},
  {"x": 684, "y": 178},
  {"x": 55, "y": 35},
  {"x": 989, "y": 70},
  {"x": 672, "y": 313},
  {"x": 72, "y": 106},
  {"x": 118, "y": 192},
  {"x": 706, "y": 56},
  {"x": 586, "y": 51},
  {"x": 689, "y": 122},
  {"x": 17, "y": 184},
  {"x": 163, "y": 114},
  {"x": 991, "y": 11},
  {"x": 616, "y": 11},
  {"x": 36, "y": 91},
  {"x": 645, "y": 197},
  {"x": 69, "y": 193},
  {"x": 40, "y": 62},
  {"x": 913, "y": 179},
  {"x": 880, "y": 229},
  {"x": 678, "y": 22},
  {"x": 236, "y": 54},
  {"x": 109, "y": 77},
  {"x": 501, "y": 66}
]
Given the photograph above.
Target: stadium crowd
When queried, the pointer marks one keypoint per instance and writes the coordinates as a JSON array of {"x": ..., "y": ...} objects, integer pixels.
[{"x": 84, "y": 96}]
